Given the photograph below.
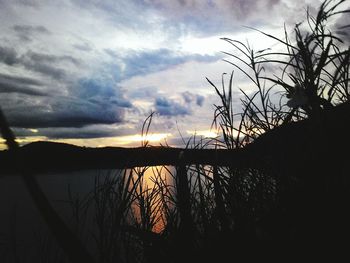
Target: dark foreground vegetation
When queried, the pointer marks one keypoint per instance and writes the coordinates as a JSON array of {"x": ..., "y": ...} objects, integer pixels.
[{"x": 275, "y": 187}]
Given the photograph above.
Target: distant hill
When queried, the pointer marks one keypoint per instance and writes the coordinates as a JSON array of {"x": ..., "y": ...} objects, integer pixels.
[
  {"x": 45, "y": 156},
  {"x": 51, "y": 156}
]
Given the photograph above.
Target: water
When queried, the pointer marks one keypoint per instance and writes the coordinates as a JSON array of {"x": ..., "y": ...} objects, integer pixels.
[
  {"x": 20, "y": 221},
  {"x": 23, "y": 232},
  {"x": 21, "y": 226}
]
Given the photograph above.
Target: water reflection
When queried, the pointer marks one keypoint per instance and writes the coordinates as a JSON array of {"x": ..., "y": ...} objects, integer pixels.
[
  {"x": 96, "y": 203},
  {"x": 150, "y": 194},
  {"x": 22, "y": 226}
]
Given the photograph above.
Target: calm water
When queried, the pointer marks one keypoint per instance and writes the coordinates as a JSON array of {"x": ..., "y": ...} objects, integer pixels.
[
  {"x": 20, "y": 221},
  {"x": 18, "y": 214}
]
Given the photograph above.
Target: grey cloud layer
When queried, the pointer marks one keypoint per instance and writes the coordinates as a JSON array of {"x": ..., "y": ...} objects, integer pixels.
[
  {"x": 86, "y": 132},
  {"x": 47, "y": 64},
  {"x": 146, "y": 62},
  {"x": 29, "y": 86},
  {"x": 43, "y": 112},
  {"x": 26, "y": 32}
]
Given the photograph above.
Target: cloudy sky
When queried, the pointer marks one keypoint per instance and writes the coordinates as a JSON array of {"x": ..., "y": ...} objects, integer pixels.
[{"x": 89, "y": 72}]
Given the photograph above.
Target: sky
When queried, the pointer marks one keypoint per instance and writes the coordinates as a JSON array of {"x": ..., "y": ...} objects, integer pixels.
[{"x": 89, "y": 72}]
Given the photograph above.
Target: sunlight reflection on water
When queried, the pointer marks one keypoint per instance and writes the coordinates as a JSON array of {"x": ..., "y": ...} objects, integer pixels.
[{"x": 15, "y": 201}]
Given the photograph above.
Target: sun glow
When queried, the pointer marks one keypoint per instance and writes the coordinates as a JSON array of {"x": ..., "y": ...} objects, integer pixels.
[
  {"x": 154, "y": 137},
  {"x": 204, "y": 133},
  {"x": 119, "y": 141},
  {"x": 34, "y": 130}
]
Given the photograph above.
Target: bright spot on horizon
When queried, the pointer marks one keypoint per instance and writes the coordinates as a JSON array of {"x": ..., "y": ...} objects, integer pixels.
[
  {"x": 33, "y": 130},
  {"x": 205, "y": 133},
  {"x": 154, "y": 137},
  {"x": 127, "y": 140}
]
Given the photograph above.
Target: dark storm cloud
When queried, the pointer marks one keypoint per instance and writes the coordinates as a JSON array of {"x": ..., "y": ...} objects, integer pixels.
[
  {"x": 23, "y": 85},
  {"x": 168, "y": 107},
  {"x": 60, "y": 112},
  {"x": 88, "y": 102}
]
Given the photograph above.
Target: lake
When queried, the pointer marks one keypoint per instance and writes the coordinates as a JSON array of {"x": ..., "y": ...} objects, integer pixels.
[{"x": 21, "y": 223}]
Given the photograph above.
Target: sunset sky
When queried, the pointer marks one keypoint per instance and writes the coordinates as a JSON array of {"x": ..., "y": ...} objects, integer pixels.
[{"x": 89, "y": 72}]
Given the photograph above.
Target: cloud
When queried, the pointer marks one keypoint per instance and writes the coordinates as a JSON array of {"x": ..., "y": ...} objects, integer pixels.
[
  {"x": 86, "y": 132},
  {"x": 31, "y": 3},
  {"x": 208, "y": 17},
  {"x": 88, "y": 102},
  {"x": 101, "y": 91},
  {"x": 136, "y": 63},
  {"x": 180, "y": 106},
  {"x": 49, "y": 58},
  {"x": 168, "y": 107},
  {"x": 45, "y": 68},
  {"x": 83, "y": 46},
  {"x": 27, "y": 29},
  {"x": 190, "y": 97},
  {"x": 200, "y": 100},
  {"x": 189, "y": 76},
  {"x": 60, "y": 112},
  {"x": 47, "y": 64},
  {"x": 26, "y": 32},
  {"x": 8, "y": 55},
  {"x": 29, "y": 86},
  {"x": 142, "y": 63}
]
